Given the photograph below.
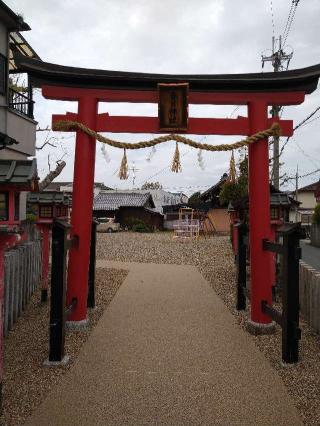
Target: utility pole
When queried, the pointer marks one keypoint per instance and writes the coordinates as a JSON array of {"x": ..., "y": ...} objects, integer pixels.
[
  {"x": 297, "y": 186},
  {"x": 277, "y": 58}
]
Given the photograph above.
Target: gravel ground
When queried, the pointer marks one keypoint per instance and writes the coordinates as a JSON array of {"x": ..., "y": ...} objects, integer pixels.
[
  {"x": 26, "y": 381},
  {"x": 214, "y": 258}
]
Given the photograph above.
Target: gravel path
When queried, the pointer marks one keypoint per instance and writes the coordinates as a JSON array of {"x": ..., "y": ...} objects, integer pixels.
[
  {"x": 26, "y": 381},
  {"x": 214, "y": 258}
]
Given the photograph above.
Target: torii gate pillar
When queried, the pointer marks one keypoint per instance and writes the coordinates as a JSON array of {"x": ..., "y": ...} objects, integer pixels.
[
  {"x": 81, "y": 218},
  {"x": 259, "y": 215}
]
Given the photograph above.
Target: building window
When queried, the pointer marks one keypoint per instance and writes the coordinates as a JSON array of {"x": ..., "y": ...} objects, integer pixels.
[
  {"x": 16, "y": 205},
  {"x": 45, "y": 211},
  {"x": 3, "y": 74},
  {"x": 306, "y": 218},
  {"x": 4, "y": 206},
  {"x": 274, "y": 213}
]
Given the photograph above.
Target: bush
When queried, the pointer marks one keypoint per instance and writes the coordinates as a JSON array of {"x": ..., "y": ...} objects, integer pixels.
[
  {"x": 140, "y": 226},
  {"x": 31, "y": 217},
  {"x": 316, "y": 215}
]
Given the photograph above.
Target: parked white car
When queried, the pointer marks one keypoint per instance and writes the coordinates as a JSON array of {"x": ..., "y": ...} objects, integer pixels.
[{"x": 107, "y": 224}]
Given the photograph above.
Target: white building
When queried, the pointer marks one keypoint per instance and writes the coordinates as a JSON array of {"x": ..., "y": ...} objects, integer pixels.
[{"x": 307, "y": 198}]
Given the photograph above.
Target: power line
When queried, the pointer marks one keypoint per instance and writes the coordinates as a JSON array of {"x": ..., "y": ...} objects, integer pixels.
[
  {"x": 294, "y": 6},
  {"x": 297, "y": 127},
  {"x": 311, "y": 121},
  {"x": 277, "y": 58},
  {"x": 301, "y": 176},
  {"x": 272, "y": 16},
  {"x": 289, "y": 17}
]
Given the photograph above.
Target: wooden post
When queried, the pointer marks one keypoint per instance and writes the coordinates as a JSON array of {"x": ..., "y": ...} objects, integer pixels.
[
  {"x": 45, "y": 229},
  {"x": 92, "y": 266},
  {"x": 241, "y": 266},
  {"x": 58, "y": 292}
]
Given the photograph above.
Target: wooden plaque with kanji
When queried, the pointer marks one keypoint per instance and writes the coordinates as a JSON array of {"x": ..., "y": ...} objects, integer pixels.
[{"x": 173, "y": 107}]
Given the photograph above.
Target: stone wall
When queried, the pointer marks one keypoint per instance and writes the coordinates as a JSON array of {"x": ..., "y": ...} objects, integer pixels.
[
  {"x": 315, "y": 235},
  {"x": 309, "y": 282}
]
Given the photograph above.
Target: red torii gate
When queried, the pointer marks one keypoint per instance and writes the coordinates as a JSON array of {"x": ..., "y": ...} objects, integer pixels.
[{"x": 89, "y": 87}]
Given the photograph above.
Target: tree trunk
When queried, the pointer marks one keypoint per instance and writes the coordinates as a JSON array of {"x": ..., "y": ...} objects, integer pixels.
[{"x": 51, "y": 176}]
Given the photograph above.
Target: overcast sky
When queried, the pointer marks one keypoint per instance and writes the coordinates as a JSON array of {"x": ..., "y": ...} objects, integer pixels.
[{"x": 172, "y": 36}]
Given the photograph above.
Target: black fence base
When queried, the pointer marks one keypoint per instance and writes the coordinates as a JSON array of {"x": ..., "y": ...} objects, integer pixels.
[{"x": 44, "y": 295}]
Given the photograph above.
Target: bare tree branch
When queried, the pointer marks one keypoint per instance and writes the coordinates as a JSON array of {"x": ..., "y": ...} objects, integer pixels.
[
  {"x": 44, "y": 129},
  {"x": 51, "y": 175}
]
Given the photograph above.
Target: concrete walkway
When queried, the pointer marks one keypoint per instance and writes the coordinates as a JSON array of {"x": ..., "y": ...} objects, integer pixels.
[{"x": 167, "y": 352}]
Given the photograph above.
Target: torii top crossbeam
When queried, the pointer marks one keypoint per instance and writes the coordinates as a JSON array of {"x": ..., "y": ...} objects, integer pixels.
[
  {"x": 44, "y": 73},
  {"x": 257, "y": 91},
  {"x": 70, "y": 83}
]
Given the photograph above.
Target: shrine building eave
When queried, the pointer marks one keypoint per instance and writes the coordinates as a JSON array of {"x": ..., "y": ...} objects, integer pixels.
[{"x": 47, "y": 74}]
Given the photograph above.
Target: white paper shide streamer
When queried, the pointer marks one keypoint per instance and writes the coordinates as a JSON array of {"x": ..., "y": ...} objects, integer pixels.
[
  {"x": 151, "y": 153},
  {"x": 105, "y": 154},
  {"x": 200, "y": 160}
]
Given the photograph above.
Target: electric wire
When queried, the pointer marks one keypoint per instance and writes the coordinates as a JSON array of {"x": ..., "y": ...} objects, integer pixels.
[
  {"x": 303, "y": 122},
  {"x": 288, "y": 19},
  {"x": 295, "y": 5},
  {"x": 301, "y": 176},
  {"x": 272, "y": 16}
]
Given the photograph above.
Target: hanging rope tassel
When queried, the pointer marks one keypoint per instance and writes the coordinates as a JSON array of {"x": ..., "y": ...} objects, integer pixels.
[
  {"x": 176, "y": 165},
  {"x": 123, "y": 172},
  {"x": 232, "y": 171}
]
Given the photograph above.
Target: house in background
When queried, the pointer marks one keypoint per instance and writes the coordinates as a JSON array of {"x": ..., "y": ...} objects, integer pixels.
[
  {"x": 20, "y": 242},
  {"x": 180, "y": 197},
  {"x": 17, "y": 125},
  {"x": 126, "y": 207},
  {"x": 217, "y": 214},
  {"x": 67, "y": 187},
  {"x": 160, "y": 197},
  {"x": 306, "y": 196}
]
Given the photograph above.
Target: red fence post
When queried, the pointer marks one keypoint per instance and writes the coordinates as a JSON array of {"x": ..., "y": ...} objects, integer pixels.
[
  {"x": 259, "y": 213},
  {"x": 81, "y": 217}
]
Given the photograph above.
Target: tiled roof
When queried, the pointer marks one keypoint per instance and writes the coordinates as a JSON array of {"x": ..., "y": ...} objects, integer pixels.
[
  {"x": 18, "y": 172},
  {"x": 312, "y": 187},
  {"x": 49, "y": 198},
  {"x": 215, "y": 189},
  {"x": 280, "y": 199},
  {"x": 114, "y": 200}
]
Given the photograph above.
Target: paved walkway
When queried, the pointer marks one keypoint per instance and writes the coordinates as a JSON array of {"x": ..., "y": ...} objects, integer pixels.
[
  {"x": 167, "y": 352},
  {"x": 310, "y": 254}
]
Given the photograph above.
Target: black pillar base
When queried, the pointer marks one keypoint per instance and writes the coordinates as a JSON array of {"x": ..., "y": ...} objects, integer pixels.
[{"x": 44, "y": 295}]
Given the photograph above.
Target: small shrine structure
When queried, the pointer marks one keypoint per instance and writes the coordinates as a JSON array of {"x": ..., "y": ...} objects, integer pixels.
[{"x": 45, "y": 207}]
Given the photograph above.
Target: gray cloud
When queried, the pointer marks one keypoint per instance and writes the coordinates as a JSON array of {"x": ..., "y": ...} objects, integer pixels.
[{"x": 172, "y": 36}]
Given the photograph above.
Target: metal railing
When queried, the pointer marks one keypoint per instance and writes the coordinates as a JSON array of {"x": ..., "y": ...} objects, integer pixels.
[{"x": 22, "y": 103}]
